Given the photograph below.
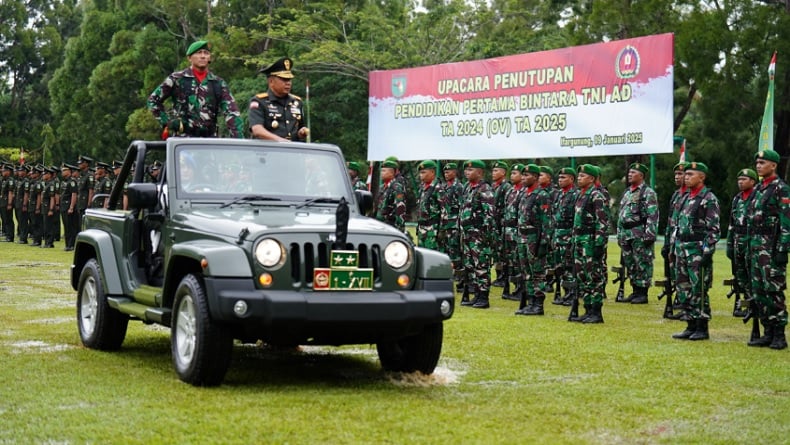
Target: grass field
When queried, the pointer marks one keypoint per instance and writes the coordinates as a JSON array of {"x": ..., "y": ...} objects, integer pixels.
[{"x": 501, "y": 379}]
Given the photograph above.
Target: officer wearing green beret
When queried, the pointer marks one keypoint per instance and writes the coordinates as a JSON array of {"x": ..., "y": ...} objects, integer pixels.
[
  {"x": 562, "y": 214},
  {"x": 672, "y": 211},
  {"x": 533, "y": 242},
  {"x": 510, "y": 235},
  {"x": 449, "y": 232},
  {"x": 476, "y": 222},
  {"x": 589, "y": 240},
  {"x": 391, "y": 198},
  {"x": 355, "y": 171},
  {"x": 429, "y": 208},
  {"x": 546, "y": 182},
  {"x": 737, "y": 236},
  {"x": 769, "y": 239},
  {"x": 277, "y": 114},
  {"x": 500, "y": 186},
  {"x": 637, "y": 228},
  {"x": 199, "y": 96},
  {"x": 697, "y": 232}
]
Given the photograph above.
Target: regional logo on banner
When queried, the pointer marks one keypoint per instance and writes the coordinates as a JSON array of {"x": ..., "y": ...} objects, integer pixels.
[{"x": 612, "y": 98}]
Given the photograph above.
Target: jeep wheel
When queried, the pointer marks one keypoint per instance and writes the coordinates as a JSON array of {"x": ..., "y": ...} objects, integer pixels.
[
  {"x": 101, "y": 327},
  {"x": 201, "y": 347},
  {"x": 416, "y": 353}
]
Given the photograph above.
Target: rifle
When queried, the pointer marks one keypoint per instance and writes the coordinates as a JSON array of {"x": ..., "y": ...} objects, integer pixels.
[
  {"x": 668, "y": 289},
  {"x": 620, "y": 271},
  {"x": 735, "y": 289},
  {"x": 753, "y": 314},
  {"x": 570, "y": 288}
]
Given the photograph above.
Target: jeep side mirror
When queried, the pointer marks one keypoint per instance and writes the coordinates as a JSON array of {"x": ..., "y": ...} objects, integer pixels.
[
  {"x": 142, "y": 195},
  {"x": 364, "y": 201}
]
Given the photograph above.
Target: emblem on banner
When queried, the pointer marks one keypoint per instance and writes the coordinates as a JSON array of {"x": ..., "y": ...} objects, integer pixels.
[
  {"x": 627, "y": 63},
  {"x": 398, "y": 86}
]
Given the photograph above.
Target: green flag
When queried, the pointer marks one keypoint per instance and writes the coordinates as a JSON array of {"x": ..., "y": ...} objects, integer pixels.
[{"x": 767, "y": 127}]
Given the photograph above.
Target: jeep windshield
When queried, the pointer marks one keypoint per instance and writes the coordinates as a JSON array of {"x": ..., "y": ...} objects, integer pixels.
[{"x": 252, "y": 174}]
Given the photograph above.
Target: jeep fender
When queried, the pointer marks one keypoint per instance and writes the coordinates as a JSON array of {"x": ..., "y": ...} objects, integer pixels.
[
  {"x": 432, "y": 265},
  {"x": 97, "y": 243},
  {"x": 223, "y": 259}
]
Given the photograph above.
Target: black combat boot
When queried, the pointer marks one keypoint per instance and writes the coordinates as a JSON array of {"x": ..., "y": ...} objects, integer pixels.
[
  {"x": 516, "y": 295},
  {"x": 639, "y": 296},
  {"x": 691, "y": 327},
  {"x": 701, "y": 333},
  {"x": 766, "y": 339},
  {"x": 506, "y": 295},
  {"x": 779, "y": 341},
  {"x": 581, "y": 318},
  {"x": 557, "y": 297},
  {"x": 596, "y": 316},
  {"x": 465, "y": 298},
  {"x": 526, "y": 303},
  {"x": 481, "y": 300},
  {"x": 501, "y": 276},
  {"x": 537, "y": 305}
]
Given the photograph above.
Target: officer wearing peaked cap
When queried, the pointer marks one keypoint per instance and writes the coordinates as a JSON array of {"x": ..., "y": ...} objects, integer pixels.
[
  {"x": 277, "y": 114},
  {"x": 769, "y": 239}
]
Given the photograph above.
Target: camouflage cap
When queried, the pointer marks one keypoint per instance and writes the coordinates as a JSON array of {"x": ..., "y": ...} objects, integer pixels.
[
  {"x": 589, "y": 169},
  {"x": 547, "y": 169},
  {"x": 768, "y": 155},
  {"x": 427, "y": 165},
  {"x": 280, "y": 68},
  {"x": 450, "y": 166},
  {"x": 517, "y": 167},
  {"x": 531, "y": 168},
  {"x": 697, "y": 166},
  {"x": 638, "y": 166},
  {"x": 197, "y": 46},
  {"x": 567, "y": 171},
  {"x": 474, "y": 163},
  {"x": 748, "y": 173},
  {"x": 500, "y": 164}
]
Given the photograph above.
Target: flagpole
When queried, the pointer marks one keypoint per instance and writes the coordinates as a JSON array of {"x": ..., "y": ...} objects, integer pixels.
[
  {"x": 767, "y": 126},
  {"x": 307, "y": 106}
]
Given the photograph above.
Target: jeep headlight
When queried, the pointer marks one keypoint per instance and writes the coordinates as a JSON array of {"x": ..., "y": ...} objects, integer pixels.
[
  {"x": 269, "y": 253},
  {"x": 396, "y": 254}
]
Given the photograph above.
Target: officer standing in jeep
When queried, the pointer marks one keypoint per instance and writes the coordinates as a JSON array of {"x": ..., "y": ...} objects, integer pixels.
[
  {"x": 277, "y": 114},
  {"x": 199, "y": 96}
]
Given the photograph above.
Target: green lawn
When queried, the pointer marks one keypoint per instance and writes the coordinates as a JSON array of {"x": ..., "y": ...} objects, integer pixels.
[{"x": 501, "y": 379}]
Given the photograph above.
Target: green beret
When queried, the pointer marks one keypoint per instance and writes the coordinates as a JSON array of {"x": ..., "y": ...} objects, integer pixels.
[
  {"x": 450, "y": 166},
  {"x": 547, "y": 169},
  {"x": 567, "y": 171},
  {"x": 427, "y": 165},
  {"x": 749, "y": 173},
  {"x": 353, "y": 165},
  {"x": 639, "y": 167},
  {"x": 389, "y": 164},
  {"x": 697, "y": 166},
  {"x": 500, "y": 164},
  {"x": 768, "y": 155},
  {"x": 518, "y": 167},
  {"x": 197, "y": 46},
  {"x": 474, "y": 163},
  {"x": 531, "y": 168},
  {"x": 589, "y": 169},
  {"x": 680, "y": 166}
]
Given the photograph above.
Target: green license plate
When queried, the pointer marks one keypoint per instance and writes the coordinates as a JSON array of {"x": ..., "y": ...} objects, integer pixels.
[{"x": 333, "y": 279}]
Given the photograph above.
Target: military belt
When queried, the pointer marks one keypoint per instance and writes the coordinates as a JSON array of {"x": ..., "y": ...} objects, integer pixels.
[
  {"x": 632, "y": 224},
  {"x": 585, "y": 231},
  {"x": 739, "y": 230},
  {"x": 762, "y": 231},
  {"x": 691, "y": 237},
  {"x": 528, "y": 230}
]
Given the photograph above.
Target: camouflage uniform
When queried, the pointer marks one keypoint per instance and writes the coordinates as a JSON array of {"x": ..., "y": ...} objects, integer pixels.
[
  {"x": 499, "y": 256},
  {"x": 589, "y": 239},
  {"x": 553, "y": 195},
  {"x": 561, "y": 241},
  {"x": 533, "y": 243},
  {"x": 429, "y": 215},
  {"x": 449, "y": 233},
  {"x": 391, "y": 205},
  {"x": 195, "y": 105},
  {"x": 475, "y": 221},
  {"x": 637, "y": 226},
  {"x": 510, "y": 238},
  {"x": 737, "y": 237},
  {"x": 696, "y": 236},
  {"x": 360, "y": 185},
  {"x": 769, "y": 240}
]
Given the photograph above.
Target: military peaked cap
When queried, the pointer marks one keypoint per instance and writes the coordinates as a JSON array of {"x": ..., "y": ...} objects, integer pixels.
[
  {"x": 117, "y": 164},
  {"x": 280, "y": 68},
  {"x": 103, "y": 165},
  {"x": 84, "y": 158}
]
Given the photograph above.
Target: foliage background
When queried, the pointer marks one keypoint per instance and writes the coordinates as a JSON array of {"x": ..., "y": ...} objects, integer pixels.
[{"x": 74, "y": 74}]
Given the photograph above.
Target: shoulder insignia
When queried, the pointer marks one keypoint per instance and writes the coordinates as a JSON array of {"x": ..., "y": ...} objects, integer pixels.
[
  {"x": 262, "y": 95},
  {"x": 294, "y": 96}
]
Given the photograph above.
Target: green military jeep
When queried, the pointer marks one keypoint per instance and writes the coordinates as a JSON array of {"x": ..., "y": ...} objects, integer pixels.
[{"x": 253, "y": 241}]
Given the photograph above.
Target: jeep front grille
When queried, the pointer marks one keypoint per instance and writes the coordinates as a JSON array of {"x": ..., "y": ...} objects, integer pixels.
[{"x": 306, "y": 257}]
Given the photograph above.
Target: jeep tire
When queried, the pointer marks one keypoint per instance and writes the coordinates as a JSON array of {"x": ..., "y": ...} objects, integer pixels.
[
  {"x": 201, "y": 347},
  {"x": 415, "y": 353},
  {"x": 101, "y": 327}
]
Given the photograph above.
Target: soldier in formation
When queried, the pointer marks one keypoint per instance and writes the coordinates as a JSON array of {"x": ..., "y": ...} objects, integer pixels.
[
  {"x": 637, "y": 227},
  {"x": 428, "y": 206},
  {"x": 562, "y": 227},
  {"x": 449, "y": 233},
  {"x": 476, "y": 223},
  {"x": 500, "y": 186},
  {"x": 390, "y": 206},
  {"x": 533, "y": 241},
  {"x": 510, "y": 235},
  {"x": 355, "y": 172},
  {"x": 737, "y": 237}
]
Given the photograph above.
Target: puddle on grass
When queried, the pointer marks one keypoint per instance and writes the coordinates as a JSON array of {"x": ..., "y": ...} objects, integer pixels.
[
  {"x": 36, "y": 347},
  {"x": 58, "y": 320}
]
